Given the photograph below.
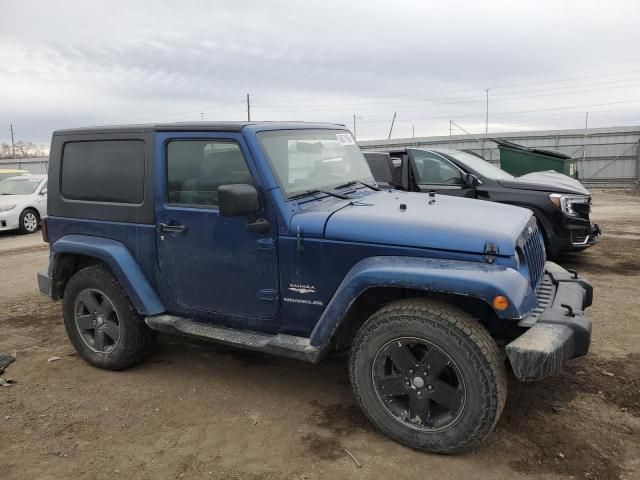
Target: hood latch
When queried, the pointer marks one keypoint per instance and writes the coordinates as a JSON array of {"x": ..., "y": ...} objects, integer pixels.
[{"x": 490, "y": 252}]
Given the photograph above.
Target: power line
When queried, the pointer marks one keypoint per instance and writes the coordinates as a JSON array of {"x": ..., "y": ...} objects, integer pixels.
[
  {"x": 542, "y": 110},
  {"x": 494, "y": 87},
  {"x": 443, "y": 101}
]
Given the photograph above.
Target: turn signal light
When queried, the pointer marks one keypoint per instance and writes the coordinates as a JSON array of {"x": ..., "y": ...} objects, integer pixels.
[{"x": 500, "y": 302}]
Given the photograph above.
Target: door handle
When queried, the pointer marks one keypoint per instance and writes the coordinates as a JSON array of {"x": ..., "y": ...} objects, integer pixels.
[{"x": 165, "y": 227}]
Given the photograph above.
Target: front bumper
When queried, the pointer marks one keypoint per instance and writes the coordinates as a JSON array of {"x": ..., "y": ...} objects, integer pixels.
[
  {"x": 558, "y": 330},
  {"x": 575, "y": 233},
  {"x": 9, "y": 220},
  {"x": 585, "y": 237}
]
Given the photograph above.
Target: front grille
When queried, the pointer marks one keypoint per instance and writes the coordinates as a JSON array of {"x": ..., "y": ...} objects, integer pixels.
[
  {"x": 545, "y": 294},
  {"x": 531, "y": 244},
  {"x": 583, "y": 208}
]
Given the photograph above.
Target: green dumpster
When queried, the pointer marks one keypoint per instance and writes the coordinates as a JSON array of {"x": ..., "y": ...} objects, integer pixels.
[{"x": 519, "y": 160}]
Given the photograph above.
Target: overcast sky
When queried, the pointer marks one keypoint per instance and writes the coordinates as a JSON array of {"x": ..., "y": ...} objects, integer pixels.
[{"x": 79, "y": 62}]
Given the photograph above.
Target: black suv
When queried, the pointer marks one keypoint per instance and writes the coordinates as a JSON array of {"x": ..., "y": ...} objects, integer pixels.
[{"x": 560, "y": 203}]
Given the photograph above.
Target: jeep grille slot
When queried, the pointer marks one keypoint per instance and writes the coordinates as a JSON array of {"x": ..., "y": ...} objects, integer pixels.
[
  {"x": 533, "y": 249},
  {"x": 545, "y": 295}
]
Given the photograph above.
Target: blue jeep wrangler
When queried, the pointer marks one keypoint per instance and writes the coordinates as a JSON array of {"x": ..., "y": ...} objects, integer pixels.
[{"x": 274, "y": 237}]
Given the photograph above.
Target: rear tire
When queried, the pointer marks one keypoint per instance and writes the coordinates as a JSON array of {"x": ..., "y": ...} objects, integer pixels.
[
  {"x": 28, "y": 221},
  {"x": 428, "y": 375},
  {"x": 101, "y": 322}
]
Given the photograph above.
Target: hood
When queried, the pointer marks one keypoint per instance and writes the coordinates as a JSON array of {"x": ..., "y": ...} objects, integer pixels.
[
  {"x": 5, "y": 199},
  {"x": 549, "y": 181},
  {"x": 450, "y": 223}
]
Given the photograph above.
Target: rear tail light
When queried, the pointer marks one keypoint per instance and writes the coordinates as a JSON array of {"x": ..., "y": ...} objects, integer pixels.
[{"x": 44, "y": 228}]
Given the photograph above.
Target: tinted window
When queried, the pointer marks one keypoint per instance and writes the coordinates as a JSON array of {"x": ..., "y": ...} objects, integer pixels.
[
  {"x": 432, "y": 169},
  {"x": 380, "y": 166},
  {"x": 103, "y": 171},
  {"x": 196, "y": 168}
]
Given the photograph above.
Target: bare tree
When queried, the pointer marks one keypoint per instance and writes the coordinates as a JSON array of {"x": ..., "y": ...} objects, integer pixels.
[{"x": 23, "y": 150}]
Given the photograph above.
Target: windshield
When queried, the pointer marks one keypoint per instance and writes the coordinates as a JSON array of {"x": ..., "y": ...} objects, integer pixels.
[
  {"x": 19, "y": 186},
  {"x": 306, "y": 160},
  {"x": 480, "y": 166}
]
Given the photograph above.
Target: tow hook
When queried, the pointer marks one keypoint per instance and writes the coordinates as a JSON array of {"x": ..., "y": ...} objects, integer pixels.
[{"x": 569, "y": 309}]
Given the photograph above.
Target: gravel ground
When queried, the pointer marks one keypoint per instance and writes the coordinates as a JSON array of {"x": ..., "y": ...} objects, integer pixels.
[{"x": 196, "y": 410}]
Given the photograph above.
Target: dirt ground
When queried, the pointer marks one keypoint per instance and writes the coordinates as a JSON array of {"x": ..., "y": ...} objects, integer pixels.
[{"x": 196, "y": 410}]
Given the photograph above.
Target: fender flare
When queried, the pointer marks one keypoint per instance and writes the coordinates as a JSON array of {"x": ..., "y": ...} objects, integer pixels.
[
  {"x": 121, "y": 262},
  {"x": 474, "y": 279}
]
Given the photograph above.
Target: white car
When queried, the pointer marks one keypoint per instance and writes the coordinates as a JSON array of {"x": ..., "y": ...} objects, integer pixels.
[{"x": 23, "y": 202}]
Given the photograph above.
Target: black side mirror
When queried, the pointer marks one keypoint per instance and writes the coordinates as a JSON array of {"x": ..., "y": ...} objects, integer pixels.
[
  {"x": 238, "y": 200},
  {"x": 471, "y": 180}
]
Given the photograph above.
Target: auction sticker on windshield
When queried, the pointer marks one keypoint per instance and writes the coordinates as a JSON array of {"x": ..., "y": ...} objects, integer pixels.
[{"x": 345, "y": 139}]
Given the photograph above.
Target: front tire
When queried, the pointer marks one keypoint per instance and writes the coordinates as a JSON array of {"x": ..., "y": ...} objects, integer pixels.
[
  {"x": 101, "y": 322},
  {"x": 28, "y": 221},
  {"x": 428, "y": 375}
]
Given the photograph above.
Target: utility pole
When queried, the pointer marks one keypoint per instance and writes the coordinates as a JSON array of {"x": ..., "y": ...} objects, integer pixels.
[
  {"x": 486, "y": 117},
  {"x": 450, "y": 128},
  {"x": 486, "y": 121},
  {"x": 13, "y": 143},
  {"x": 393, "y": 120},
  {"x": 202, "y": 116},
  {"x": 413, "y": 133},
  {"x": 354, "y": 127},
  {"x": 248, "y": 109}
]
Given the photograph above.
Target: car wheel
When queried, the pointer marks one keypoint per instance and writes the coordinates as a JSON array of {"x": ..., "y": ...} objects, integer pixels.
[
  {"x": 29, "y": 221},
  {"x": 428, "y": 375},
  {"x": 101, "y": 322}
]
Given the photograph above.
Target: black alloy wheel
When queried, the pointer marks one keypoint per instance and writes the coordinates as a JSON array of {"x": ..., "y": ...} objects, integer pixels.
[
  {"x": 97, "y": 321},
  {"x": 419, "y": 384}
]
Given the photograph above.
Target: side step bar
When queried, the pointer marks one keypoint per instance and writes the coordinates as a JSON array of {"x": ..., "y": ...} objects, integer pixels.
[{"x": 280, "y": 344}]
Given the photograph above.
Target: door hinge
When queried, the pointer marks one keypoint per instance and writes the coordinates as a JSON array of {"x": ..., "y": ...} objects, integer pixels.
[
  {"x": 268, "y": 294},
  {"x": 266, "y": 244},
  {"x": 490, "y": 252}
]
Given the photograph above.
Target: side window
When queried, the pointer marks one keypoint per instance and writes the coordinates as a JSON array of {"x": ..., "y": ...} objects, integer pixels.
[
  {"x": 435, "y": 170},
  {"x": 103, "y": 171},
  {"x": 196, "y": 168}
]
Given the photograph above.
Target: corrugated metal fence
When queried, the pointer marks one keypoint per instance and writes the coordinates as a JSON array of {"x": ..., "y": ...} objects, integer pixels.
[
  {"x": 611, "y": 155},
  {"x": 32, "y": 165}
]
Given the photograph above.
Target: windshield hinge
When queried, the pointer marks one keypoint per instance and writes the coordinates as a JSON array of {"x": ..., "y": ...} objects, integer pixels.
[
  {"x": 490, "y": 252},
  {"x": 299, "y": 244}
]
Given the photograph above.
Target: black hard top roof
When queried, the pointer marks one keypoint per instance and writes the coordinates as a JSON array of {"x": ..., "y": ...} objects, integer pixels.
[{"x": 177, "y": 126}]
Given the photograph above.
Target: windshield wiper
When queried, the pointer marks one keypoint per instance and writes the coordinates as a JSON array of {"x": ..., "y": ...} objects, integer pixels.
[
  {"x": 353, "y": 182},
  {"x": 317, "y": 190}
]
